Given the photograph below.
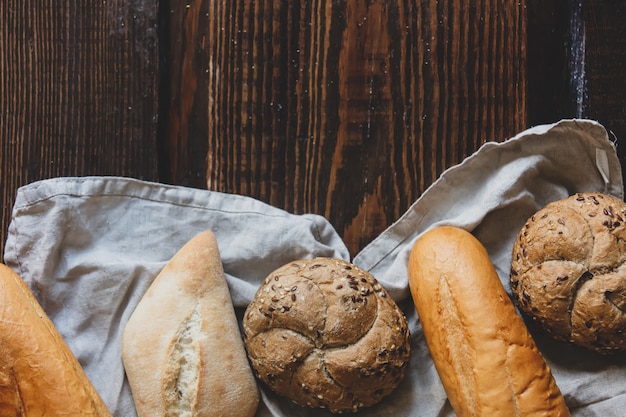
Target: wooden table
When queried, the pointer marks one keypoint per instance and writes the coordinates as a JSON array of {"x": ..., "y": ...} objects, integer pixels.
[{"x": 345, "y": 109}]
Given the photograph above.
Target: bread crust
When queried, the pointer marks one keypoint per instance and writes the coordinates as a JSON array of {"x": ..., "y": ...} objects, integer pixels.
[
  {"x": 326, "y": 334},
  {"x": 182, "y": 349},
  {"x": 39, "y": 374},
  {"x": 568, "y": 271},
  {"x": 487, "y": 360}
]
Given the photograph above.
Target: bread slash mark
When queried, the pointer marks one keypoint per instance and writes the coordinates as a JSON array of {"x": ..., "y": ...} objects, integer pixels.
[{"x": 182, "y": 367}]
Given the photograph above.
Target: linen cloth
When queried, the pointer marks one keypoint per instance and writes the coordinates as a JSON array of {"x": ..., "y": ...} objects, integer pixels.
[{"x": 89, "y": 248}]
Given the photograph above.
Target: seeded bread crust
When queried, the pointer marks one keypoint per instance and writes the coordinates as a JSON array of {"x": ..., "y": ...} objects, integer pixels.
[
  {"x": 326, "y": 334},
  {"x": 568, "y": 271}
]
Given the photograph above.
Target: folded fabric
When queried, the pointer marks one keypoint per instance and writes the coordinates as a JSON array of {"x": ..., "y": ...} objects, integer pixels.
[{"x": 89, "y": 248}]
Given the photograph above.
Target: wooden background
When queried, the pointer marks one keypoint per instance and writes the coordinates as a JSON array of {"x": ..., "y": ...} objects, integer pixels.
[{"x": 345, "y": 109}]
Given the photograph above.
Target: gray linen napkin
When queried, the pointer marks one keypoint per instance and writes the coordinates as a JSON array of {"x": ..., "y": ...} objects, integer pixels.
[{"x": 90, "y": 247}]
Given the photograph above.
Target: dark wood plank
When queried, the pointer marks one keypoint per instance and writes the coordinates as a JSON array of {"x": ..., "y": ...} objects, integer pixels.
[
  {"x": 328, "y": 107},
  {"x": 78, "y": 91},
  {"x": 555, "y": 53},
  {"x": 605, "y": 68},
  {"x": 345, "y": 109},
  {"x": 184, "y": 93},
  {"x": 576, "y": 64}
]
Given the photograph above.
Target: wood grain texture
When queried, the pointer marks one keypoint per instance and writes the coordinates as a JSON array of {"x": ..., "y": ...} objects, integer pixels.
[
  {"x": 554, "y": 47},
  {"x": 78, "y": 91},
  {"x": 576, "y": 60},
  {"x": 345, "y": 109},
  {"x": 605, "y": 68}
]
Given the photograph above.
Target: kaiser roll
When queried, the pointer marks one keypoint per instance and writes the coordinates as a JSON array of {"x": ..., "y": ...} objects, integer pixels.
[
  {"x": 568, "y": 270},
  {"x": 326, "y": 334}
]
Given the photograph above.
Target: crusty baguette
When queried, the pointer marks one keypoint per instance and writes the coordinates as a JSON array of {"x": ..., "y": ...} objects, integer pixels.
[
  {"x": 182, "y": 348},
  {"x": 487, "y": 360},
  {"x": 39, "y": 374}
]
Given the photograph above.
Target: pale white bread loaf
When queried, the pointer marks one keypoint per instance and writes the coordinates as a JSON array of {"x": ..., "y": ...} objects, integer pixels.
[
  {"x": 182, "y": 348},
  {"x": 39, "y": 374},
  {"x": 486, "y": 358}
]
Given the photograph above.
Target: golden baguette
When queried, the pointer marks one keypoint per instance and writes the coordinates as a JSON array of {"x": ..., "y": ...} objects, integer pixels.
[
  {"x": 39, "y": 374},
  {"x": 487, "y": 360}
]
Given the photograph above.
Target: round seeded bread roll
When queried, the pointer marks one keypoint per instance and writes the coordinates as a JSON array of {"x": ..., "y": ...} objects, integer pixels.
[
  {"x": 326, "y": 334},
  {"x": 568, "y": 271}
]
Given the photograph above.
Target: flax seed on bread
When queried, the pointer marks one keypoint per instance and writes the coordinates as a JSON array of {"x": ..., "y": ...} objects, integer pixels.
[
  {"x": 568, "y": 271},
  {"x": 326, "y": 334}
]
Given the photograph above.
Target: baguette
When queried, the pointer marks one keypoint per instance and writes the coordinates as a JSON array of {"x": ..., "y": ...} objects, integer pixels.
[
  {"x": 487, "y": 360},
  {"x": 39, "y": 374},
  {"x": 181, "y": 348}
]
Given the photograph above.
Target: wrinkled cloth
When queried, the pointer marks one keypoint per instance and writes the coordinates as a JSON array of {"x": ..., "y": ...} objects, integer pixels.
[{"x": 89, "y": 248}]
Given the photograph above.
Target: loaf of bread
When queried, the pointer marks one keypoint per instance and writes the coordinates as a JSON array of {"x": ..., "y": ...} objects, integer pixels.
[
  {"x": 568, "y": 271},
  {"x": 486, "y": 358},
  {"x": 182, "y": 348},
  {"x": 39, "y": 374},
  {"x": 326, "y": 334}
]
